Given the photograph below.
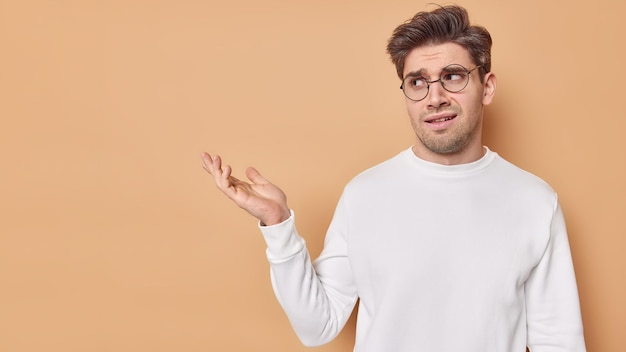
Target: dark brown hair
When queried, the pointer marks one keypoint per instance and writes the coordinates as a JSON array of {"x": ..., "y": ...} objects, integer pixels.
[{"x": 446, "y": 24}]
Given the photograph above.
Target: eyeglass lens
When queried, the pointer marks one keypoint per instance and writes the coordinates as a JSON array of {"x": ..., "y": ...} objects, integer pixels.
[{"x": 453, "y": 78}]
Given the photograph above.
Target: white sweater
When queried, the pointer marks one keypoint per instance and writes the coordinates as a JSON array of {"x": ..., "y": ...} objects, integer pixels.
[{"x": 471, "y": 257}]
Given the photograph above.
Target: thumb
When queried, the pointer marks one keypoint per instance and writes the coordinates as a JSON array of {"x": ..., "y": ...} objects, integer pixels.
[{"x": 255, "y": 176}]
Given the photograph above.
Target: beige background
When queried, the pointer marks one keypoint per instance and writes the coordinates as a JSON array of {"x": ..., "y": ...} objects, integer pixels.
[{"x": 112, "y": 237}]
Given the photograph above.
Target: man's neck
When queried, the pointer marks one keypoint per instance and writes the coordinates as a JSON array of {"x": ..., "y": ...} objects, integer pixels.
[{"x": 464, "y": 156}]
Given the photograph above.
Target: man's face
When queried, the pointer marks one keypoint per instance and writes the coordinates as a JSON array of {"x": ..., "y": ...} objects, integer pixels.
[{"x": 448, "y": 126}]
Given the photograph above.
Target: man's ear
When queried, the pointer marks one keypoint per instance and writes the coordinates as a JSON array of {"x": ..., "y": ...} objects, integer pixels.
[{"x": 489, "y": 88}]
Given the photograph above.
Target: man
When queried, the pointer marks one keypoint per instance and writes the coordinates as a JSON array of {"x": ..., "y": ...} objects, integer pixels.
[{"x": 447, "y": 246}]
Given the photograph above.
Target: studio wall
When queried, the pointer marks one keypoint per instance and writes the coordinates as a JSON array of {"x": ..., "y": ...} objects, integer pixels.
[{"x": 112, "y": 236}]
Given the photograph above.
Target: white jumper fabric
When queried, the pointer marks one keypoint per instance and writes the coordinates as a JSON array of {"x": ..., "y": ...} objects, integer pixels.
[{"x": 471, "y": 257}]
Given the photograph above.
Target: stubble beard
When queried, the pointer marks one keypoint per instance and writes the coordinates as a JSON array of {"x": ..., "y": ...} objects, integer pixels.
[{"x": 447, "y": 141}]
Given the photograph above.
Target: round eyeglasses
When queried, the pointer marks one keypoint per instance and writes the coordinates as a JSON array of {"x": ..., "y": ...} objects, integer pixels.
[{"x": 453, "y": 78}]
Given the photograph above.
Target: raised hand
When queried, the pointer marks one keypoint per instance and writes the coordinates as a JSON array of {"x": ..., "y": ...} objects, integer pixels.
[{"x": 260, "y": 198}]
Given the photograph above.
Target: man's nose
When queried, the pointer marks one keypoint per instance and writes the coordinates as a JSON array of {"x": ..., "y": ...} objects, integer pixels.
[{"x": 437, "y": 95}]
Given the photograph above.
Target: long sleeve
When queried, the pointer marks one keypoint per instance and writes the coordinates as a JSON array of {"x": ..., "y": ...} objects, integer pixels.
[
  {"x": 444, "y": 258},
  {"x": 318, "y": 297},
  {"x": 554, "y": 322}
]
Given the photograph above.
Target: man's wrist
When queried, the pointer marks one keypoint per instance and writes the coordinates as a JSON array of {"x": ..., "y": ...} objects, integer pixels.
[{"x": 284, "y": 215}]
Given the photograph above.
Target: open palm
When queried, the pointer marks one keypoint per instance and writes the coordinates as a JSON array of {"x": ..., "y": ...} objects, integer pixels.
[{"x": 259, "y": 197}]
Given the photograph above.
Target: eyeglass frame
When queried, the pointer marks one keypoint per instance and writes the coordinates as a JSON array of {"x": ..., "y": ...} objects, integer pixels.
[{"x": 428, "y": 83}]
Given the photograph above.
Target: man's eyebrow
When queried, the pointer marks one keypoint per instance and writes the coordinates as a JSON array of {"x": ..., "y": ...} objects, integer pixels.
[
  {"x": 454, "y": 68},
  {"x": 421, "y": 71},
  {"x": 418, "y": 73}
]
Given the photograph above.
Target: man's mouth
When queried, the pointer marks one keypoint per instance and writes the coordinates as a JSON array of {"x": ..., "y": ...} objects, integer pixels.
[{"x": 442, "y": 119}]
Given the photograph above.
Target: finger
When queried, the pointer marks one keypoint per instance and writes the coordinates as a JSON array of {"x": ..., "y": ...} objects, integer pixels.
[
  {"x": 229, "y": 184},
  {"x": 255, "y": 176},
  {"x": 212, "y": 164},
  {"x": 207, "y": 162},
  {"x": 217, "y": 162},
  {"x": 222, "y": 177},
  {"x": 216, "y": 167},
  {"x": 226, "y": 172}
]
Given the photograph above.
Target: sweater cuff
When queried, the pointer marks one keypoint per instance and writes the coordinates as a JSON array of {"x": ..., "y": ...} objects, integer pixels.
[{"x": 282, "y": 239}]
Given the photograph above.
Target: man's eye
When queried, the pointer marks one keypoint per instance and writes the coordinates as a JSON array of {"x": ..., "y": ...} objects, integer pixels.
[
  {"x": 453, "y": 77},
  {"x": 417, "y": 83}
]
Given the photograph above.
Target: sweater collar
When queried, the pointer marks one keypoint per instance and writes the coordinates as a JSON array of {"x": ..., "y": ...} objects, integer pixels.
[{"x": 460, "y": 169}]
